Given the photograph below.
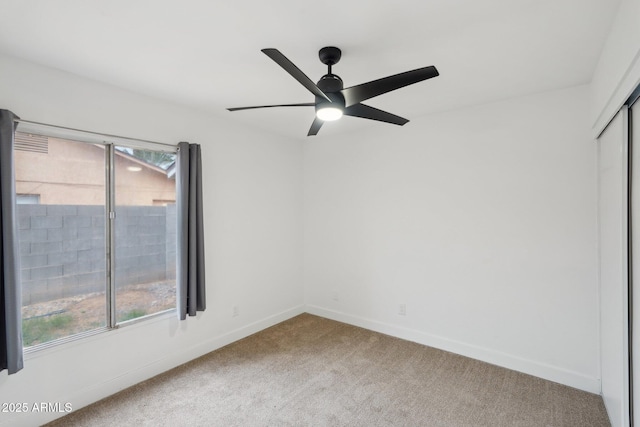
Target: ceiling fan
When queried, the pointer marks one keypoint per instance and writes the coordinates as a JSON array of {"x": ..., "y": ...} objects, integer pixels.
[{"x": 333, "y": 100}]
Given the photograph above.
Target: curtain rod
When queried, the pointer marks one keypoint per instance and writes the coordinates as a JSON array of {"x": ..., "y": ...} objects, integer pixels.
[{"x": 95, "y": 133}]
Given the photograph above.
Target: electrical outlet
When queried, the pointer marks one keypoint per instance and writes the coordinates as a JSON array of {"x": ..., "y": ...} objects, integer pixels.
[
  {"x": 402, "y": 309},
  {"x": 236, "y": 311},
  {"x": 335, "y": 296}
]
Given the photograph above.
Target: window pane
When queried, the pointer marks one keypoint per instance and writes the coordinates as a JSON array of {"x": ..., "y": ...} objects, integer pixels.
[
  {"x": 61, "y": 211},
  {"x": 27, "y": 199},
  {"x": 145, "y": 228}
]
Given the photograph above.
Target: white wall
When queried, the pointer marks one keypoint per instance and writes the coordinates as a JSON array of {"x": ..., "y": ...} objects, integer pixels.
[
  {"x": 253, "y": 219},
  {"x": 481, "y": 220}
]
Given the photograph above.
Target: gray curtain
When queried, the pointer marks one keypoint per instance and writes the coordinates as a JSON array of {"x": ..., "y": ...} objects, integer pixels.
[
  {"x": 10, "y": 292},
  {"x": 190, "y": 268}
]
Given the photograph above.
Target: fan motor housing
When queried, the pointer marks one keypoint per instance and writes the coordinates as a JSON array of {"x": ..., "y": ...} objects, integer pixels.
[
  {"x": 330, "y": 83},
  {"x": 337, "y": 101}
]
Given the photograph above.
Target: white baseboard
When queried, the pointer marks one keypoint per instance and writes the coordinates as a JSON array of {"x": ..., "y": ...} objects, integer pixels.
[
  {"x": 531, "y": 367},
  {"x": 95, "y": 392}
]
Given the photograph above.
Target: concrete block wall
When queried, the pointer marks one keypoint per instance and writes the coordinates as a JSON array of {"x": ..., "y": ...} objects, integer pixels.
[
  {"x": 63, "y": 248},
  {"x": 171, "y": 239}
]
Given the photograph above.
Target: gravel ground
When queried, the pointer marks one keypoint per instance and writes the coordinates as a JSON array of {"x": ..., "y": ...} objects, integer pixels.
[{"x": 89, "y": 311}]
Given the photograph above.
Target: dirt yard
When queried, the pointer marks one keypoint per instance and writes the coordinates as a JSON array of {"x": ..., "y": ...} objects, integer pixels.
[{"x": 67, "y": 316}]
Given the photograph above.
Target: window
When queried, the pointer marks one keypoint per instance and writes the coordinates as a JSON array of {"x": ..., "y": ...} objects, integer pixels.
[
  {"x": 145, "y": 234},
  {"x": 27, "y": 199},
  {"x": 97, "y": 250}
]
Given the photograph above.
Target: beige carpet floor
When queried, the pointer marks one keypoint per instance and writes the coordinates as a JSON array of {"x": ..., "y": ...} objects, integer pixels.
[{"x": 310, "y": 371}]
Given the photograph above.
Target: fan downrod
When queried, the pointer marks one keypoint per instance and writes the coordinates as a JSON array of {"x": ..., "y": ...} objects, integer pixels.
[{"x": 330, "y": 55}]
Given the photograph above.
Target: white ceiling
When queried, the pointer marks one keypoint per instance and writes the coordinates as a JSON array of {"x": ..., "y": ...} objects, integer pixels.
[{"x": 206, "y": 54}]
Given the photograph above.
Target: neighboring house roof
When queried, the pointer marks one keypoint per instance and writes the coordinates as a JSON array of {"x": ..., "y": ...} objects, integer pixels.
[{"x": 144, "y": 164}]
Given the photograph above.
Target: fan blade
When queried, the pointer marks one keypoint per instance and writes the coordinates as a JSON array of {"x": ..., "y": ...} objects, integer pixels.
[
  {"x": 315, "y": 127},
  {"x": 367, "y": 112},
  {"x": 290, "y": 68},
  {"x": 306, "y": 104},
  {"x": 364, "y": 91}
]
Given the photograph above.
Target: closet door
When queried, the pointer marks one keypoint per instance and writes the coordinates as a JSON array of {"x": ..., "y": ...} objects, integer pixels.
[
  {"x": 634, "y": 117},
  {"x": 613, "y": 262}
]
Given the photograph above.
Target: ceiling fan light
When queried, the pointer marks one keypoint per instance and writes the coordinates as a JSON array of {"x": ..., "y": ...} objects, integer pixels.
[{"x": 329, "y": 114}]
